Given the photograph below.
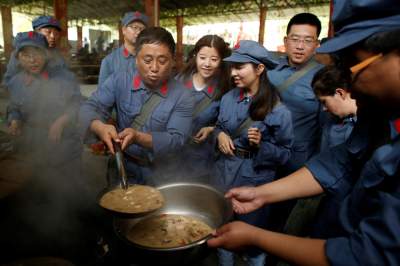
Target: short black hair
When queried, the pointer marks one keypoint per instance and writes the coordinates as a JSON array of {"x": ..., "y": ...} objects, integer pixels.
[
  {"x": 155, "y": 35},
  {"x": 329, "y": 78},
  {"x": 304, "y": 18}
]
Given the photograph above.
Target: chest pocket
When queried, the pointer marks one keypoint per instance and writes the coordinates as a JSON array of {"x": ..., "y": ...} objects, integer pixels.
[{"x": 160, "y": 116}]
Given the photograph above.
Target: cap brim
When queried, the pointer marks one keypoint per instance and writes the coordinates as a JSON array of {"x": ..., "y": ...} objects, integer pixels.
[
  {"x": 356, "y": 32},
  {"x": 48, "y": 26},
  {"x": 31, "y": 44}
]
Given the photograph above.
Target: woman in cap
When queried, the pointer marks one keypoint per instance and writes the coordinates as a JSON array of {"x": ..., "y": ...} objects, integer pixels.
[
  {"x": 43, "y": 108},
  {"x": 254, "y": 133},
  {"x": 208, "y": 78}
]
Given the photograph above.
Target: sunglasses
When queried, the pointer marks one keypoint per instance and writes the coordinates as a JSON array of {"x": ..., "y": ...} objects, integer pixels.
[{"x": 364, "y": 64}]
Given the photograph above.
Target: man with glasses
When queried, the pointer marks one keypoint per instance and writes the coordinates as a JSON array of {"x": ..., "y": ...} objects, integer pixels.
[
  {"x": 50, "y": 28},
  {"x": 300, "y": 43},
  {"x": 124, "y": 58},
  {"x": 365, "y": 170}
]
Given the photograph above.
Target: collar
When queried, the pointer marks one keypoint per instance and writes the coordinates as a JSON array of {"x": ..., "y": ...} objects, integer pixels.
[
  {"x": 125, "y": 52},
  {"x": 243, "y": 97},
  {"x": 28, "y": 78},
  {"x": 137, "y": 84},
  {"x": 209, "y": 90},
  {"x": 284, "y": 63}
]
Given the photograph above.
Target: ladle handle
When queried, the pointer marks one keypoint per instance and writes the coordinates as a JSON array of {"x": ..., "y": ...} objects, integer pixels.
[{"x": 119, "y": 158}]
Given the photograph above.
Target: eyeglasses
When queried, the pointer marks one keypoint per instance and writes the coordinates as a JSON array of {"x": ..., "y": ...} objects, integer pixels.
[
  {"x": 297, "y": 40},
  {"x": 363, "y": 64},
  {"x": 32, "y": 55},
  {"x": 136, "y": 28}
]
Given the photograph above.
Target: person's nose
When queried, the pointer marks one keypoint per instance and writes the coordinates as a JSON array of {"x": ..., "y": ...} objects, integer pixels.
[{"x": 154, "y": 67}]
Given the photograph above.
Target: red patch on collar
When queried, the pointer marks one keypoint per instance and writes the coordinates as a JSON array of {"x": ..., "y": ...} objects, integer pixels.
[
  {"x": 137, "y": 14},
  {"x": 210, "y": 89},
  {"x": 136, "y": 82},
  {"x": 397, "y": 125},
  {"x": 30, "y": 34},
  {"x": 125, "y": 52},
  {"x": 241, "y": 96},
  {"x": 189, "y": 84},
  {"x": 45, "y": 75},
  {"x": 237, "y": 46},
  {"x": 164, "y": 88}
]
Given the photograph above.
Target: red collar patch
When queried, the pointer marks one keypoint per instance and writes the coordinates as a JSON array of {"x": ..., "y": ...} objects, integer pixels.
[
  {"x": 136, "y": 82},
  {"x": 45, "y": 75},
  {"x": 237, "y": 46},
  {"x": 241, "y": 96},
  {"x": 189, "y": 84},
  {"x": 396, "y": 124},
  {"x": 30, "y": 34},
  {"x": 210, "y": 89},
  {"x": 125, "y": 52},
  {"x": 164, "y": 88}
]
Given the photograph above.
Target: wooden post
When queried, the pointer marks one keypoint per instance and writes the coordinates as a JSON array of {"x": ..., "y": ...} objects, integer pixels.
[
  {"x": 261, "y": 31},
  {"x": 60, "y": 13},
  {"x": 152, "y": 9},
  {"x": 79, "y": 43},
  {"x": 149, "y": 9},
  {"x": 331, "y": 31},
  {"x": 179, "y": 42},
  {"x": 6, "y": 18}
]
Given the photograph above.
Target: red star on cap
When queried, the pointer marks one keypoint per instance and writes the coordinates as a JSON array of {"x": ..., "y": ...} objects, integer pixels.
[{"x": 137, "y": 14}]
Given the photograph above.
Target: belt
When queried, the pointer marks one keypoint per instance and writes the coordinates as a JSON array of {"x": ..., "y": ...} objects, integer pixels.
[
  {"x": 244, "y": 154},
  {"x": 137, "y": 160}
]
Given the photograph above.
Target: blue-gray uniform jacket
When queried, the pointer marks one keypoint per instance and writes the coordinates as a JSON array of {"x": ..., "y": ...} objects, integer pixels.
[
  {"x": 367, "y": 231},
  {"x": 306, "y": 112},
  {"x": 56, "y": 60},
  {"x": 37, "y": 101},
  {"x": 198, "y": 159},
  {"x": 120, "y": 60},
  {"x": 169, "y": 124},
  {"x": 274, "y": 149},
  {"x": 336, "y": 131}
]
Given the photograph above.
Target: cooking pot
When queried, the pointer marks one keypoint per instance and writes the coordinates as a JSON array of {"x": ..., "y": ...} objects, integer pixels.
[{"x": 197, "y": 200}]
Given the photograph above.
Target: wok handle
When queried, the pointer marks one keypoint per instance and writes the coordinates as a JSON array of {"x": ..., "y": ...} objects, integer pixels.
[{"x": 119, "y": 158}]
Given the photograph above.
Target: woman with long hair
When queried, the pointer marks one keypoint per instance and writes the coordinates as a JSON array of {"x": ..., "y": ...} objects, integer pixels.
[
  {"x": 254, "y": 133},
  {"x": 208, "y": 78}
]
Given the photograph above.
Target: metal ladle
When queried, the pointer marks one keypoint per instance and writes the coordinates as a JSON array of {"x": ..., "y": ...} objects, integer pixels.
[{"x": 119, "y": 158}]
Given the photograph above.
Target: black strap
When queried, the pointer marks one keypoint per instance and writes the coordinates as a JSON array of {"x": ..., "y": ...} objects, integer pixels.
[
  {"x": 244, "y": 125},
  {"x": 297, "y": 75},
  {"x": 146, "y": 111},
  {"x": 202, "y": 105}
]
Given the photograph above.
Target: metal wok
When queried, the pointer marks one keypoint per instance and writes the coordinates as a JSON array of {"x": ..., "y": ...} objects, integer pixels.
[{"x": 200, "y": 201}]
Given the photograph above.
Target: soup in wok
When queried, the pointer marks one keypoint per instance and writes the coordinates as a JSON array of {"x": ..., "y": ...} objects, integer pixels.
[
  {"x": 135, "y": 199},
  {"x": 168, "y": 231}
]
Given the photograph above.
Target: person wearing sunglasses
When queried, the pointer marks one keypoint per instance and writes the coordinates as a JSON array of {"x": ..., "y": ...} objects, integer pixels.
[
  {"x": 366, "y": 168},
  {"x": 124, "y": 58}
]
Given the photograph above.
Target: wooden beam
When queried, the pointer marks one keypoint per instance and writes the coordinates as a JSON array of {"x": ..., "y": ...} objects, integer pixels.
[
  {"x": 261, "y": 31},
  {"x": 61, "y": 14},
  {"x": 6, "y": 18},
  {"x": 120, "y": 34},
  {"x": 179, "y": 42}
]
